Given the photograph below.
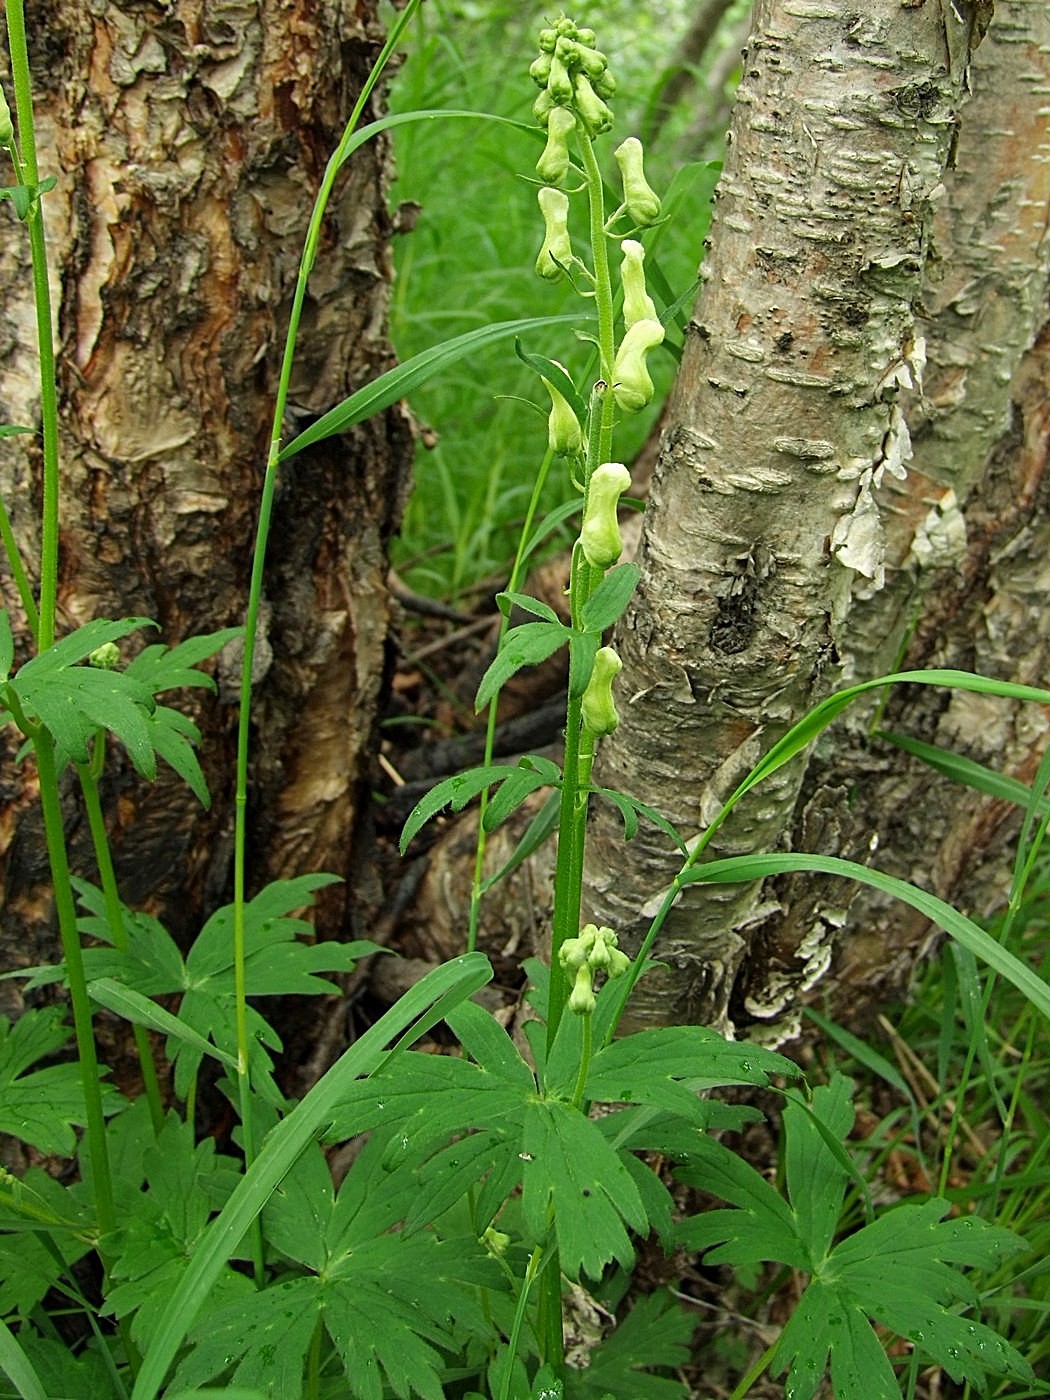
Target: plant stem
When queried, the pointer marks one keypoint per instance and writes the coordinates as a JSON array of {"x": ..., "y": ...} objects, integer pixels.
[
  {"x": 262, "y": 535},
  {"x": 65, "y": 905},
  {"x": 89, "y": 775},
  {"x": 45, "y": 342},
  {"x": 572, "y": 830}
]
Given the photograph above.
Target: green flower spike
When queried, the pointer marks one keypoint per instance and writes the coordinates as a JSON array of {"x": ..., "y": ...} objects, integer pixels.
[
  {"x": 637, "y": 303},
  {"x": 564, "y": 434},
  {"x": 598, "y": 707},
  {"x": 600, "y": 535},
  {"x": 641, "y": 203},
  {"x": 7, "y": 128},
  {"x": 554, "y": 205},
  {"x": 632, "y": 384},
  {"x": 553, "y": 164}
]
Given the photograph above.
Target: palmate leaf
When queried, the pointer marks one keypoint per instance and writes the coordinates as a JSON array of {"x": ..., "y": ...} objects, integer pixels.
[
  {"x": 571, "y": 1167},
  {"x": 40, "y": 1107},
  {"x": 185, "y": 1184},
  {"x": 897, "y": 1271},
  {"x": 391, "y": 1304},
  {"x": 277, "y": 963}
]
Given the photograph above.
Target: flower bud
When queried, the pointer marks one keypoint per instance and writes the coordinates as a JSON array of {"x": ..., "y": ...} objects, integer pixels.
[
  {"x": 554, "y": 205},
  {"x": 540, "y": 70},
  {"x": 599, "y": 713},
  {"x": 553, "y": 164},
  {"x": 637, "y": 304},
  {"x": 566, "y": 28},
  {"x": 594, "y": 114},
  {"x": 605, "y": 84},
  {"x": 642, "y": 204},
  {"x": 600, "y": 535},
  {"x": 564, "y": 434},
  {"x": 106, "y": 657},
  {"x": 559, "y": 84},
  {"x": 586, "y": 36},
  {"x": 632, "y": 385},
  {"x": 582, "y": 999},
  {"x": 7, "y": 128},
  {"x": 543, "y": 107},
  {"x": 548, "y": 39}
]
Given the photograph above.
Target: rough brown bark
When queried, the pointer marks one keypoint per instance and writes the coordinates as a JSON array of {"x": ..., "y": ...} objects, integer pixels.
[
  {"x": 783, "y": 545},
  {"x": 189, "y": 142}
]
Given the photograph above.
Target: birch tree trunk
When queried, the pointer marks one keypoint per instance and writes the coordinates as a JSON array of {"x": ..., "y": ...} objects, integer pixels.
[
  {"x": 189, "y": 142},
  {"x": 856, "y": 435}
]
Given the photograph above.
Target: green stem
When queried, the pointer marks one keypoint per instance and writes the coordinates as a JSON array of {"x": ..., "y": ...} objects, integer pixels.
[
  {"x": 65, "y": 904},
  {"x": 572, "y": 831},
  {"x": 89, "y": 774},
  {"x": 513, "y": 1342},
  {"x": 585, "y": 1061},
  {"x": 756, "y": 1370},
  {"x": 262, "y": 534},
  {"x": 45, "y": 342}
]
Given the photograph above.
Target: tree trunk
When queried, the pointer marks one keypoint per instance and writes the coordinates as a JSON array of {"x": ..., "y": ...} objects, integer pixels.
[
  {"x": 803, "y": 503},
  {"x": 190, "y": 142}
]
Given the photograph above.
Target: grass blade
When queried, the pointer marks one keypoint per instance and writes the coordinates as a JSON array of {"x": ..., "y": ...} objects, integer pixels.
[
  {"x": 400, "y": 381},
  {"x": 17, "y": 1366},
  {"x": 964, "y": 930}
]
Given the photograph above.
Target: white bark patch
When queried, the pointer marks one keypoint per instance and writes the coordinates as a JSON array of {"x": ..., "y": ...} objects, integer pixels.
[
  {"x": 858, "y": 540},
  {"x": 940, "y": 541}
]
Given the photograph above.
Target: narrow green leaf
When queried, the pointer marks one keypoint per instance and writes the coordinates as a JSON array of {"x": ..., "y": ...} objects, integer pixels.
[
  {"x": 969, "y": 934},
  {"x": 550, "y": 523},
  {"x": 583, "y": 648},
  {"x": 526, "y": 645},
  {"x": 512, "y": 793},
  {"x": 963, "y": 770},
  {"x": 7, "y": 645},
  {"x": 141, "y": 1011},
  {"x": 506, "y": 601},
  {"x": 630, "y": 809},
  {"x": 173, "y": 735},
  {"x": 453, "y": 792},
  {"x": 606, "y": 604},
  {"x": 17, "y": 1366},
  {"x": 400, "y": 382},
  {"x": 163, "y": 668},
  {"x": 447, "y": 986},
  {"x": 552, "y": 371},
  {"x": 800, "y": 735}
]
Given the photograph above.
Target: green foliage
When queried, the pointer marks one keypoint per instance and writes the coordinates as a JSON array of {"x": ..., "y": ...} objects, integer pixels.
[
  {"x": 902, "y": 1270},
  {"x": 43, "y": 1107},
  {"x": 482, "y": 1180}
]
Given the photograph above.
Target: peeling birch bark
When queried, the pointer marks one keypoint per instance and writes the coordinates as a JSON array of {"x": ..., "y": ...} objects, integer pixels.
[
  {"x": 782, "y": 544},
  {"x": 189, "y": 142}
]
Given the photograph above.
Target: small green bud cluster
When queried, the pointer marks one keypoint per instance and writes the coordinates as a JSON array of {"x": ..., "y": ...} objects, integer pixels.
[
  {"x": 594, "y": 949},
  {"x": 572, "y": 75}
]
